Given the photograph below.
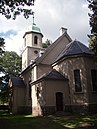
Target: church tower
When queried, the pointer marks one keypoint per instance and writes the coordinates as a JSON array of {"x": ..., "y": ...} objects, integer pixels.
[{"x": 32, "y": 45}]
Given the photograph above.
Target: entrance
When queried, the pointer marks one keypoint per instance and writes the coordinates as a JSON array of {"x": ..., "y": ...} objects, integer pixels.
[{"x": 59, "y": 101}]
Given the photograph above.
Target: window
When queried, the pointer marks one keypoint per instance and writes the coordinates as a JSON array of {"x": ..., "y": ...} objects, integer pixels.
[
  {"x": 77, "y": 79},
  {"x": 35, "y": 40},
  {"x": 29, "y": 89},
  {"x": 38, "y": 92},
  {"x": 25, "y": 43},
  {"x": 94, "y": 79}
]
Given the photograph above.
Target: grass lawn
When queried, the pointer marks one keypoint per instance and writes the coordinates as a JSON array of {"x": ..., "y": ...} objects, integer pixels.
[{"x": 48, "y": 122}]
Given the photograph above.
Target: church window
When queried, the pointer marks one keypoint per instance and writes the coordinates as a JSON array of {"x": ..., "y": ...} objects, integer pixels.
[
  {"x": 35, "y": 40},
  {"x": 94, "y": 79},
  {"x": 78, "y": 87}
]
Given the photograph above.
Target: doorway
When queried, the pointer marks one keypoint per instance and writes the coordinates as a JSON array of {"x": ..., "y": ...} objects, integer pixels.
[{"x": 59, "y": 101}]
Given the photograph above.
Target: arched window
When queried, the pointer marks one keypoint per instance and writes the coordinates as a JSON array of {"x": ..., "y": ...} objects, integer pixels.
[
  {"x": 35, "y": 40},
  {"x": 78, "y": 87}
]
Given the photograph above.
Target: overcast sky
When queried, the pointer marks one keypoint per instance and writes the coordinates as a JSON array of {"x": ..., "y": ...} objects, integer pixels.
[{"x": 50, "y": 16}]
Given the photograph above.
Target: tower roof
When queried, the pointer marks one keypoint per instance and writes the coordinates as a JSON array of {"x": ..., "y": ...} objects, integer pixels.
[{"x": 34, "y": 28}]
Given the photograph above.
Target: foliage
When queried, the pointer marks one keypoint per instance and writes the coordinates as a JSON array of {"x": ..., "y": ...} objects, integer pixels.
[
  {"x": 1, "y": 52},
  {"x": 93, "y": 16},
  {"x": 93, "y": 43},
  {"x": 46, "y": 44},
  {"x": 12, "y": 8},
  {"x": 11, "y": 65},
  {"x": 93, "y": 24},
  {"x": 1, "y": 45},
  {"x": 4, "y": 89},
  {"x": 1, "y": 68}
]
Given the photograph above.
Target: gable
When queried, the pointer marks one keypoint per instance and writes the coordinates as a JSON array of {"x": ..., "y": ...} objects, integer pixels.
[
  {"x": 54, "y": 50},
  {"x": 51, "y": 75}
]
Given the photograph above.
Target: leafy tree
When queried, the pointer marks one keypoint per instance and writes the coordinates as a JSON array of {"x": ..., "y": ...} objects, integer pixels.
[
  {"x": 1, "y": 67},
  {"x": 1, "y": 45},
  {"x": 93, "y": 43},
  {"x": 4, "y": 89},
  {"x": 93, "y": 24},
  {"x": 11, "y": 63},
  {"x": 2, "y": 42},
  {"x": 12, "y": 8},
  {"x": 46, "y": 44}
]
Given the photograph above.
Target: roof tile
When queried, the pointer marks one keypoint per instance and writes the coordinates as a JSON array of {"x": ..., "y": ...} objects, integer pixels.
[{"x": 74, "y": 48}]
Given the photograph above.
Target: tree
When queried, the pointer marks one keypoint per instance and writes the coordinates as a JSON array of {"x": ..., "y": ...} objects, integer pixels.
[
  {"x": 12, "y": 8},
  {"x": 1, "y": 68},
  {"x": 93, "y": 24},
  {"x": 46, "y": 44},
  {"x": 2, "y": 42},
  {"x": 4, "y": 89},
  {"x": 1, "y": 45},
  {"x": 11, "y": 64}
]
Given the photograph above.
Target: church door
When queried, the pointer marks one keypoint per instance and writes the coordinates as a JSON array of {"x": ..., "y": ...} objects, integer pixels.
[{"x": 59, "y": 101}]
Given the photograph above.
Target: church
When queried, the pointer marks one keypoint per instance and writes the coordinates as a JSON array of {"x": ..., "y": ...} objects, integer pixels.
[{"x": 61, "y": 78}]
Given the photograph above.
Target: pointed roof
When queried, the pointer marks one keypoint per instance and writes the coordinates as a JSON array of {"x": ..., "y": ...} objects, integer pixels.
[
  {"x": 55, "y": 75},
  {"x": 33, "y": 28},
  {"x": 75, "y": 48},
  {"x": 52, "y": 75}
]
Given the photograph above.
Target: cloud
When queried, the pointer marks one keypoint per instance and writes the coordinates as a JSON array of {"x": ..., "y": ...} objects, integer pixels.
[
  {"x": 8, "y": 33},
  {"x": 15, "y": 42},
  {"x": 50, "y": 16},
  {"x": 72, "y": 14}
]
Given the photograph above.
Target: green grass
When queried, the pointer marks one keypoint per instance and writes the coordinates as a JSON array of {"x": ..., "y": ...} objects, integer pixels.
[{"x": 51, "y": 122}]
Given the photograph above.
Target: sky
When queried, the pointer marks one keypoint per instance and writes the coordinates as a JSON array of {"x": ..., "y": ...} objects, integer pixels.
[{"x": 50, "y": 16}]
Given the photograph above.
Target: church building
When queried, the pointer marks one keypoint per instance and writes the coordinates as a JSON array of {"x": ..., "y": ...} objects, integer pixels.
[{"x": 61, "y": 78}]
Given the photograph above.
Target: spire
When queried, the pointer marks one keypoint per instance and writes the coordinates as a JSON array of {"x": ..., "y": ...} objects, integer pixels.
[{"x": 33, "y": 20}]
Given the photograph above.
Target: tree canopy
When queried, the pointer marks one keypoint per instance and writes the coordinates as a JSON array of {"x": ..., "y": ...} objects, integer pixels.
[
  {"x": 11, "y": 65},
  {"x": 2, "y": 42},
  {"x": 47, "y": 43},
  {"x": 93, "y": 24},
  {"x": 93, "y": 16},
  {"x": 12, "y": 8}
]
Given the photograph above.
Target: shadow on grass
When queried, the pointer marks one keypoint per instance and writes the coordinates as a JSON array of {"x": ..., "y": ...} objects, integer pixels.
[
  {"x": 27, "y": 122},
  {"x": 78, "y": 122},
  {"x": 8, "y": 121}
]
